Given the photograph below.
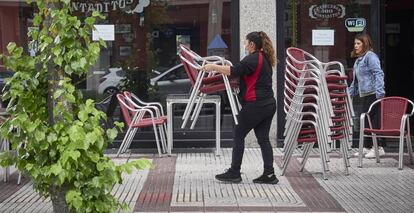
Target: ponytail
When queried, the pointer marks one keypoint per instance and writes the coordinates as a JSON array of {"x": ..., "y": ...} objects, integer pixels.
[
  {"x": 267, "y": 48},
  {"x": 263, "y": 43}
]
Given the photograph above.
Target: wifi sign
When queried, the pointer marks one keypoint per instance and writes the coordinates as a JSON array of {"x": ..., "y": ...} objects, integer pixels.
[{"x": 355, "y": 24}]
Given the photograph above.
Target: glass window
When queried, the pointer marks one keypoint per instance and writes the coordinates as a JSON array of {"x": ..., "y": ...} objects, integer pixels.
[
  {"x": 146, "y": 37},
  {"x": 175, "y": 74},
  {"x": 326, "y": 29}
]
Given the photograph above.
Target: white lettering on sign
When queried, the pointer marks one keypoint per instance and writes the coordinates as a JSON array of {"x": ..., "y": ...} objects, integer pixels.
[
  {"x": 111, "y": 5},
  {"x": 327, "y": 11},
  {"x": 355, "y": 24}
]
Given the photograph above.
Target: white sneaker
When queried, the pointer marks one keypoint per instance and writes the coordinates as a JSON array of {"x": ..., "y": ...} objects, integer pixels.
[
  {"x": 371, "y": 153},
  {"x": 364, "y": 152}
]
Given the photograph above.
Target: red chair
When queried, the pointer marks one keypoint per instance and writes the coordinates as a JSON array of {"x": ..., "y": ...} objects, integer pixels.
[
  {"x": 136, "y": 118},
  {"x": 203, "y": 84},
  {"x": 156, "y": 108},
  {"x": 394, "y": 123}
]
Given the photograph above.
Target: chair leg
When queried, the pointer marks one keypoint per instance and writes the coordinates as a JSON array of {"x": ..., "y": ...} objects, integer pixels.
[
  {"x": 290, "y": 136},
  {"x": 375, "y": 144},
  {"x": 401, "y": 152},
  {"x": 197, "y": 111},
  {"x": 409, "y": 144},
  {"x": 288, "y": 156},
  {"x": 193, "y": 95},
  {"x": 129, "y": 139},
  {"x": 163, "y": 138},
  {"x": 123, "y": 142},
  {"x": 306, "y": 152},
  {"x": 360, "y": 148},
  {"x": 164, "y": 126},
  {"x": 157, "y": 140},
  {"x": 19, "y": 178},
  {"x": 323, "y": 161},
  {"x": 189, "y": 107},
  {"x": 344, "y": 149}
]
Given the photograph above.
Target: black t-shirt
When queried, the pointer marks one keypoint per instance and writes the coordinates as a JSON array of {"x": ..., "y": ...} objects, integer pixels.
[{"x": 255, "y": 74}]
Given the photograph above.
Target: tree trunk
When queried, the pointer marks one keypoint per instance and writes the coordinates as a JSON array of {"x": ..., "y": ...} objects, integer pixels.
[
  {"x": 57, "y": 196},
  {"x": 57, "y": 193}
]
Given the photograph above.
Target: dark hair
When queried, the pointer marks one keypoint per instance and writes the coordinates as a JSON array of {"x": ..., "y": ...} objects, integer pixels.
[
  {"x": 366, "y": 44},
  {"x": 262, "y": 42}
]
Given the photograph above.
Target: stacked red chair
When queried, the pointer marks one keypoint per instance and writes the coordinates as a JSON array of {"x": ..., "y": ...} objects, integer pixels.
[
  {"x": 136, "y": 117},
  {"x": 206, "y": 83},
  {"x": 317, "y": 106}
]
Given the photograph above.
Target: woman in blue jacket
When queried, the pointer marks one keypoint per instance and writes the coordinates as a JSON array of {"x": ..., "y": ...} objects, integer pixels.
[{"x": 368, "y": 83}]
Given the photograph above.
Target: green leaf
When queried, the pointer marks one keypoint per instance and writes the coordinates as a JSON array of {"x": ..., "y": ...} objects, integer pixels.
[
  {"x": 58, "y": 93},
  {"x": 74, "y": 199},
  {"x": 56, "y": 169},
  {"x": 82, "y": 62},
  {"x": 56, "y": 50},
  {"x": 76, "y": 133},
  {"x": 39, "y": 135},
  {"x": 100, "y": 167},
  {"x": 74, "y": 155},
  {"x": 51, "y": 137},
  {"x": 29, "y": 166},
  {"x": 44, "y": 145},
  {"x": 112, "y": 133},
  {"x": 83, "y": 115},
  {"x": 11, "y": 47},
  {"x": 91, "y": 137}
]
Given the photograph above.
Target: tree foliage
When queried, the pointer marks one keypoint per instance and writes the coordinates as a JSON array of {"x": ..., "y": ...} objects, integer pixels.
[{"x": 66, "y": 153}]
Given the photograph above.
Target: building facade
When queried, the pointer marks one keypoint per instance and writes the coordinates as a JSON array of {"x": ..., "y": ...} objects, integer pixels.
[{"x": 147, "y": 34}]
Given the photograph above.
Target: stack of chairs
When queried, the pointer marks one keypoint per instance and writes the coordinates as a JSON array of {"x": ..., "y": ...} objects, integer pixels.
[
  {"x": 318, "y": 108},
  {"x": 206, "y": 83},
  {"x": 139, "y": 114}
]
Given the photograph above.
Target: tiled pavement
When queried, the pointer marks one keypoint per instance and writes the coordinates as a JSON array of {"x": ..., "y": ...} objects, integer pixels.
[{"x": 185, "y": 183}]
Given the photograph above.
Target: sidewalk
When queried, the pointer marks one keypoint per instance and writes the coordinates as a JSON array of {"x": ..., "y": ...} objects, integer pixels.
[{"x": 185, "y": 183}]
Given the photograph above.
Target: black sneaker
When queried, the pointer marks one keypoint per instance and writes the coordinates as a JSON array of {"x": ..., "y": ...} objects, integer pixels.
[
  {"x": 229, "y": 176},
  {"x": 267, "y": 179}
]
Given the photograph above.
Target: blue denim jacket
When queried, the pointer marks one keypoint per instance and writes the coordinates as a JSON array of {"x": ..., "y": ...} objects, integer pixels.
[{"x": 368, "y": 76}]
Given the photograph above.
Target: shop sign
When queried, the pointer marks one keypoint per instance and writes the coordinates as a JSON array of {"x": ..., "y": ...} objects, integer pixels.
[
  {"x": 327, "y": 11},
  {"x": 111, "y": 5},
  {"x": 355, "y": 24}
]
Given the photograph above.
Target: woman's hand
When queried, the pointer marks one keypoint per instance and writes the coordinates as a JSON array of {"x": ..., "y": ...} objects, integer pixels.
[{"x": 209, "y": 67}]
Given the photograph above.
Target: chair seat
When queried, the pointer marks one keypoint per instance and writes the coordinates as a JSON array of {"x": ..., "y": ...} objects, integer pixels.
[
  {"x": 148, "y": 122},
  {"x": 335, "y": 78},
  {"x": 217, "y": 87},
  {"x": 387, "y": 132}
]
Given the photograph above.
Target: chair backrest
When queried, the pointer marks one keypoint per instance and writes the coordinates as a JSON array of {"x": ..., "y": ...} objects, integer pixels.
[
  {"x": 124, "y": 109},
  {"x": 298, "y": 54},
  {"x": 392, "y": 110},
  {"x": 188, "y": 69},
  {"x": 187, "y": 56}
]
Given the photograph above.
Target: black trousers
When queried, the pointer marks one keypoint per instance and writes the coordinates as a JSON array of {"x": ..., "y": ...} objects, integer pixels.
[
  {"x": 375, "y": 118},
  {"x": 258, "y": 117}
]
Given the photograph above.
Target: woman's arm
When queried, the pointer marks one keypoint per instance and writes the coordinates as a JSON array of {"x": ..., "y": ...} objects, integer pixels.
[
  {"x": 223, "y": 69},
  {"x": 375, "y": 66}
]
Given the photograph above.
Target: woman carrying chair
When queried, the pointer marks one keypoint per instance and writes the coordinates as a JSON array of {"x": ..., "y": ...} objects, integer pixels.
[
  {"x": 368, "y": 83},
  {"x": 258, "y": 104}
]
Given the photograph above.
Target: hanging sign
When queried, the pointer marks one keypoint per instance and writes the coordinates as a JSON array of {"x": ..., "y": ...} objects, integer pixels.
[
  {"x": 111, "y": 5},
  {"x": 355, "y": 24},
  {"x": 327, "y": 11}
]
